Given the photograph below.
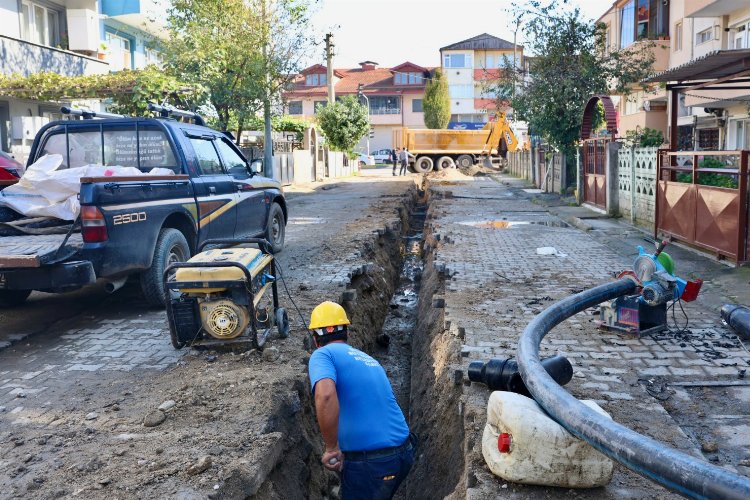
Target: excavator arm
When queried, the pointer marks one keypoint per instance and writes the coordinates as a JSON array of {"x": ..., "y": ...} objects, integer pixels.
[{"x": 501, "y": 136}]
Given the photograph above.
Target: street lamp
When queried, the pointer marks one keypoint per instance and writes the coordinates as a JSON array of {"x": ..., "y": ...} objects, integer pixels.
[{"x": 361, "y": 95}]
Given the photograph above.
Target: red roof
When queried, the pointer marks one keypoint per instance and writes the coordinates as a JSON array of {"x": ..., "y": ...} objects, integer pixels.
[{"x": 374, "y": 81}]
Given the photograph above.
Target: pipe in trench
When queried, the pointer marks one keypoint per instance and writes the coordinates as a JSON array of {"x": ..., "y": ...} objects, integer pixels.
[{"x": 671, "y": 468}]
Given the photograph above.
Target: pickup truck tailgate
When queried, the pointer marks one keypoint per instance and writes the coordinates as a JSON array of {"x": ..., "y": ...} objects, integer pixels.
[{"x": 37, "y": 250}]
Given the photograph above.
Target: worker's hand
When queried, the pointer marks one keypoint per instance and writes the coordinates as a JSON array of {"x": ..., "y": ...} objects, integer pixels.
[{"x": 333, "y": 459}]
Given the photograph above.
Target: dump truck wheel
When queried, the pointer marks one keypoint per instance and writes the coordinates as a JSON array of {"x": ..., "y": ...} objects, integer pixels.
[
  {"x": 423, "y": 165},
  {"x": 12, "y": 298},
  {"x": 445, "y": 162},
  {"x": 464, "y": 161}
]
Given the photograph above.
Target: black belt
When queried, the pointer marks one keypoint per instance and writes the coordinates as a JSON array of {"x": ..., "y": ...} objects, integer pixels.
[{"x": 359, "y": 456}]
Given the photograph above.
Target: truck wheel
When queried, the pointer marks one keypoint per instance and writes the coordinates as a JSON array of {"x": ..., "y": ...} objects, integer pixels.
[
  {"x": 464, "y": 161},
  {"x": 282, "y": 322},
  {"x": 171, "y": 247},
  {"x": 445, "y": 162},
  {"x": 12, "y": 298},
  {"x": 423, "y": 165},
  {"x": 275, "y": 228}
]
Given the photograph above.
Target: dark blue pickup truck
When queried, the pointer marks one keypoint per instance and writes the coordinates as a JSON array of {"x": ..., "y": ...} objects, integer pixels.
[{"x": 139, "y": 224}]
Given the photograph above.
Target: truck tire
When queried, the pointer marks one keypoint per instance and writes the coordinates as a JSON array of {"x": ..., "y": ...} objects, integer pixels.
[
  {"x": 12, "y": 298},
  {"x": 464, "y": 161},
  {"x": 275, "y": 228},
  {"x": 423, "y": 164},
  {"x": 445, "y": 162},
  {"x": 171, "y": 247}
]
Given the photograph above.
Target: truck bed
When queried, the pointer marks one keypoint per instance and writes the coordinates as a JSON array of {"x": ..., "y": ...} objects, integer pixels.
[{"x": 36, "y": 250}]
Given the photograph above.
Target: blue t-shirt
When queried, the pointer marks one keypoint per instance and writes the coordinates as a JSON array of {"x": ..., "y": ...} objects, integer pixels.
[{"x": 369, "y": 416}]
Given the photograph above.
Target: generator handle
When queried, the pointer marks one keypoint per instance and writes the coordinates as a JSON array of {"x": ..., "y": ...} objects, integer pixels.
[
  {"x": 262, "y": 243},
  {"x": 178, "y": 265}
]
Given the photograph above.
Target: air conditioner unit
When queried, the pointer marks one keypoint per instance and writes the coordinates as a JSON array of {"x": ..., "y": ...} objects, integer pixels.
[
  {"x": 83, "y": 30},
  {"x": 646, "y": 106}
]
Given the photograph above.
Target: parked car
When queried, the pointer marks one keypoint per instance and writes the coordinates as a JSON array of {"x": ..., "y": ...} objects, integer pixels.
[
  {"x": 382, "y": 156},
  {"x": 140, "y": 225},
  {"x": 9, "y": 167},
  {"x": 365, "y": 159}
]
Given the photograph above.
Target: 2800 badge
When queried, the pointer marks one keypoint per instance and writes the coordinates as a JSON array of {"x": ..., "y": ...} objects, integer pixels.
[{"x": 128, "y": 218}]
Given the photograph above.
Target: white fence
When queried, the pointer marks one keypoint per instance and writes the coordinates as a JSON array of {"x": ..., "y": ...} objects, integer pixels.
[{"x": 636, "y": 171}]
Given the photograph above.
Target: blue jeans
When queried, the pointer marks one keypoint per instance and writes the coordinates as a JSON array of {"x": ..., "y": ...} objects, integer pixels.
[{"x": 375, "y": 478}]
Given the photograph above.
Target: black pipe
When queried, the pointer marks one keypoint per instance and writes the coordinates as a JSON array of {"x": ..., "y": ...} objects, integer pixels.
[
  {"x": 502, "y": 374},
  {"x": 737, "y": 317},
  {"x": 671, "y": 468}
]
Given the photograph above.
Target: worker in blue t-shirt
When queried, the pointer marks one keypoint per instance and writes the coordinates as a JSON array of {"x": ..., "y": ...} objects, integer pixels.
[{"x": 364, "y": 430}]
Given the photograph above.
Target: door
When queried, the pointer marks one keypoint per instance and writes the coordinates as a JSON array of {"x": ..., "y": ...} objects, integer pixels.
[
  {"x": 594, "y": 175},
  {"x": 215, "y": 191},
  {"x": 251, "y": 205}
]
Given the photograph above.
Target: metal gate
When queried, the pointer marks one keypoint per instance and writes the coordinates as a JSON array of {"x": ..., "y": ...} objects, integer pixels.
[{"x": 594, "y": 172}]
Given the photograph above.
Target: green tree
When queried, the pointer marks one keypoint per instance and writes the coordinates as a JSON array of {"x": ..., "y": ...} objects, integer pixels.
[
  {"x": 570, "y": 64},
  {"x": 344, "y": 123},
  {"x": 436, "y": 103}
]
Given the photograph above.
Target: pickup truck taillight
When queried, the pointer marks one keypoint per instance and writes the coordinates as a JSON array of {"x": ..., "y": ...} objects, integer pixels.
[{"x": 93, "y": 226}]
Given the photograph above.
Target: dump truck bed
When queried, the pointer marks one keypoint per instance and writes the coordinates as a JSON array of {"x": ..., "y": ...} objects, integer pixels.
[{"x": 37, "y": 250}]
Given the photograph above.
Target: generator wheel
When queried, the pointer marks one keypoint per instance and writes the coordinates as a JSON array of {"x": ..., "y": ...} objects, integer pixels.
[
  {"x": 282, "y": 322},
  {"x": 423, "y": 164},
  {"x": 464, "y": 161},
  {"x": 171, "y": 247}
]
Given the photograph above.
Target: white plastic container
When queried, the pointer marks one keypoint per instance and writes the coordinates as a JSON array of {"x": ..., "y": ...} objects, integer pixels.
[{"x": 536, "y": 449}]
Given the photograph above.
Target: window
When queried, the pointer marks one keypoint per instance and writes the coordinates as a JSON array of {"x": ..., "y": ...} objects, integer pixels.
[
  {"x": 627, "y": 24},
  {"x": 120, "y": 52},
  {"x": 319, "y": 104},
  {"x": 40, "y": 24},
  {"x": 294, "y": 107},
  {"x": 704, "y": 36},
  {"x": 741, "y": 35},
  {"x": 316, "y": 79},
  {"x": 233, "y": 162},
  {"x": 208, "y": 159},
  {"x": 457, "y": 61},
  {"x": 412, "y": 78},
  {"x": 416, "y": 106},
  {"x": 678, "y": 36},
  {"x": 739, "y": 136},
  {"x": 385, "y": 105},
  {"x": 461, "y": 91},
  {"x": 708, "y": 139},
  {"x": 153, "y": 57},
  {"x": 115, "y": 147}
]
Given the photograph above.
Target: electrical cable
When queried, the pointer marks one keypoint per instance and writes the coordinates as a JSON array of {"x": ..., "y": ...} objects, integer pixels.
[{"x": 283, "y": 282}]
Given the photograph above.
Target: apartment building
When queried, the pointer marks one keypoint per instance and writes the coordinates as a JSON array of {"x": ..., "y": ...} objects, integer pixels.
[
  {"x": 394, "y": 95},
  {"x": 639, "y": 25},
  {"x": 72, "y": 38},
  {"x": 711, "y": 119},
  {"x": 470, "y": 67}
]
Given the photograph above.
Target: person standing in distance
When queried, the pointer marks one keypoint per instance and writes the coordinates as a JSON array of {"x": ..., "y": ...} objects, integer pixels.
[
  {"x": 394, "y": 159},
  {"x": 365, "y": 433}
]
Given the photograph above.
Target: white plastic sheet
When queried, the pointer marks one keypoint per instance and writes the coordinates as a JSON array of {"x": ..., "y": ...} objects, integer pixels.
[{"x": 45, "y": 190}]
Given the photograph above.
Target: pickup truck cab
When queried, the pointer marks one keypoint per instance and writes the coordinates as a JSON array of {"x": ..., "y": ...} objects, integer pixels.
[{"x": 141, "y": 224}]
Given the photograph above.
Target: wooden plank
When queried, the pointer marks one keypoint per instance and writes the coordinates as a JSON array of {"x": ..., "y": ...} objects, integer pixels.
[
  {"x": 8, "y": 182},
  {"x": 13, "y": 261},
  {"x": 135, "y": 178}
]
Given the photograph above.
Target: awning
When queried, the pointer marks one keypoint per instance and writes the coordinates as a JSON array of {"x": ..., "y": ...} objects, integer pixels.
[{"x": 712, "y": 66}]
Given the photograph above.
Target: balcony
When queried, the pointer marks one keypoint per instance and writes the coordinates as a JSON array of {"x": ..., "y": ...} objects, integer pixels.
[
  {"x": 146, "y": 15},
  {"x": 660, "y": 49},
  {"x": 712, "y": 8},
  {"x": 24, "y": 58},
  {"x": 488, "y": 74}
]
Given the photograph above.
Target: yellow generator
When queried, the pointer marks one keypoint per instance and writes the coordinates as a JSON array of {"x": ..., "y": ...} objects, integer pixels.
[{"x": 221, "y": 296}]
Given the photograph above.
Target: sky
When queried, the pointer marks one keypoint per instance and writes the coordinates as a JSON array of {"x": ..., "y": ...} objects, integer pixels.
[{"x": 390, "y": 32}]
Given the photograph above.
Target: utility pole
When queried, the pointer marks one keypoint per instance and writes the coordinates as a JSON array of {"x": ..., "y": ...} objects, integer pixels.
[
  {"x": 267, "y": 132},
  {"x": 329, "y": 68}
]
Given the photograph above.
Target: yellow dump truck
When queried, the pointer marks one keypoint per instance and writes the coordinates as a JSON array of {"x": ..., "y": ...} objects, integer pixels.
[{"x": 438, "y": 148}]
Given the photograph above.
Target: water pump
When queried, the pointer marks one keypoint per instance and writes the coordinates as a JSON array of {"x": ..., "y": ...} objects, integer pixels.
[{"x": 646, "y": 312}]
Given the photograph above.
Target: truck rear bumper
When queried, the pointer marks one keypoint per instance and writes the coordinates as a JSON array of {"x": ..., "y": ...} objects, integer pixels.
[{"x": 54, "y": 278}]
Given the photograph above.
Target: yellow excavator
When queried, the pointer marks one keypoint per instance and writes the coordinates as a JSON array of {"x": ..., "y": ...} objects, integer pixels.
[{"x": 436, "y": 149}]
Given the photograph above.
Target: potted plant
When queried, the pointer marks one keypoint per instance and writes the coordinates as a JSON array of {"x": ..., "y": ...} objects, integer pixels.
[{"x": 102, "y": 54}]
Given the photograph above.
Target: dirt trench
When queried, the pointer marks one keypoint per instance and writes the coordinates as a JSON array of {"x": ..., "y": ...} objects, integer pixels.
[{"x": 396, "y": 310}]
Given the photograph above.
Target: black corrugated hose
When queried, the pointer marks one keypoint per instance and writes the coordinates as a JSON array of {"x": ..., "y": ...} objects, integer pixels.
[{"x": 671, "y": 468}]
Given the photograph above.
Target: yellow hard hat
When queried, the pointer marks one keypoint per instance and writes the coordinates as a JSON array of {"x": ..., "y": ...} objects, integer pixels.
[{"x": 328, "y": 314}]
